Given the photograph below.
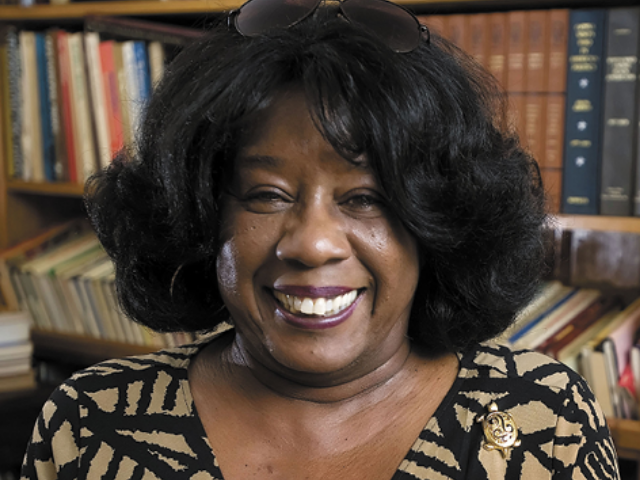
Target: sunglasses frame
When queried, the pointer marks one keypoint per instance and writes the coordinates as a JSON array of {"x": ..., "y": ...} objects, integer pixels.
[{"x": 422, "y": 29}]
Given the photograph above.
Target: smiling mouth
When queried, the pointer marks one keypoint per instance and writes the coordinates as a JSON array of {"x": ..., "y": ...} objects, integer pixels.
[{"x": 320, "y": 306}]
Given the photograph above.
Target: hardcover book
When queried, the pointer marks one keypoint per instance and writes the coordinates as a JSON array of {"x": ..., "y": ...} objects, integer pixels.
[
  {"x": 580, "y": 191},
  {"x": 619, "y": 125}
]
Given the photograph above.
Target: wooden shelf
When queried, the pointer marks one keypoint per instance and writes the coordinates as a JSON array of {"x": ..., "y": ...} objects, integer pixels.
[
  {"x": 47, "y": 188},
  {"x": 597, "y": 222},
  {"x": 187, "y": 7},
  {"x": 82, "y": 349}
]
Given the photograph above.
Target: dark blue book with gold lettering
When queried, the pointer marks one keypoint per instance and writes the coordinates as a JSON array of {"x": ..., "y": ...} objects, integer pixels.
[{"x": 582, "y": 152}]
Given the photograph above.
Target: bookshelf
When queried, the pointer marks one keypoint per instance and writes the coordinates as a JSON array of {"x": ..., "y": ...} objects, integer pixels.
[{"x": 28, "y": 208}]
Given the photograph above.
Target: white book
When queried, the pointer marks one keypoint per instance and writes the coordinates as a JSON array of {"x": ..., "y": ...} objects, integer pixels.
[
  {"x": 14, "y": 328},
  {"x": 84, "y": 141},
  {"x": 98, "y": 100},
  {"x": 156, "y": 62}
]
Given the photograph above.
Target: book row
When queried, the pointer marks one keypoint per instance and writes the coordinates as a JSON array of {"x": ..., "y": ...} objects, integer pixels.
[
  {"x": 595, "y": 334},
  {"x": 65, "y": 281},
  {"x": 16, "y": 372},
  {"x": 584, "y": 132},
  {"x": 74, "y": 100}
]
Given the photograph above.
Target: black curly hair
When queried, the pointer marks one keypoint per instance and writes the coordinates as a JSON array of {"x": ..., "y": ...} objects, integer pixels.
[{"x": 431, "y": 123}]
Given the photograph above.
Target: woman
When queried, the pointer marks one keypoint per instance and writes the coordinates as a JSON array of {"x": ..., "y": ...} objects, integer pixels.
[{"x": 340, "y": 188}]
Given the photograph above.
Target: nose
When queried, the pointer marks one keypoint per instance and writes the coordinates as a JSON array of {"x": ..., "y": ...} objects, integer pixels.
[{"x": 314, "y": 236}]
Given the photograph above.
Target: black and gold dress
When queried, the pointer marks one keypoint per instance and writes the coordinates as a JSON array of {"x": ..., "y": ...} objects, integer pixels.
[{"x": 135, "y": 419}]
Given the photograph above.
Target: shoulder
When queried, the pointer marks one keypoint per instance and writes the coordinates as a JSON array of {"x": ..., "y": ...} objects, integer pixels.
[{"x": 557, "y": 415}]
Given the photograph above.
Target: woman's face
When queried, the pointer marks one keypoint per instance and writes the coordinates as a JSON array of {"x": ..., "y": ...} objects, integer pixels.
[{"x": 317, "y": 273}]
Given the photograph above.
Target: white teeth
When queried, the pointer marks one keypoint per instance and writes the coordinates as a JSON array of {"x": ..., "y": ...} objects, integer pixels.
[{"x": 318, "y": 306}]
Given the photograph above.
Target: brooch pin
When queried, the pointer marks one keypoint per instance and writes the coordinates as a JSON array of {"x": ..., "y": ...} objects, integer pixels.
[{"x": 500, "y": 430}]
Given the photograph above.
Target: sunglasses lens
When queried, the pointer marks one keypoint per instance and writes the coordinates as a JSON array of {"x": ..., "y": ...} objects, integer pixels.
[
  {"x": 394, "y": 25},
  {"x": 258, "y": 16}
]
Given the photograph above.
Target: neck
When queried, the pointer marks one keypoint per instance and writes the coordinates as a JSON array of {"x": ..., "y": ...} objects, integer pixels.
[{"x": 313, "y": 388}]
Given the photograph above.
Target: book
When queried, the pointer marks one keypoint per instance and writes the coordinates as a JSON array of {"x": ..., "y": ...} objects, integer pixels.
[
  {"x": 582, "y": 153},
  {"x": 97, "y": 91},
  {"x": 123, "y": 92},
  {"x": 61, "y": 38},
  {"x": 46, "y": 127},
  {"x": 554, "y": 132},
  {"x": 534, "y": 128},
  {"x": 478, "y": 25},
  {"x": 619, "y": 111},
  {"x": 536, "y": 332},
  {"x": 498, "y": 46},
  {"x": 552, "y": 181},
  {"x": 5, "y": 106},
  {"x": 15, "y": 98},
  {"x": 558, "y": 41},
  {"x": 55, "y": 98},
  {"x": 458, "y": 30},
  {"x": 157, "y": 59},
  {"x": 112, "y": 95},
  {"x": 85, "y": 145},
  {"x": 30, "y": 131},
  {"x": 23, "y": 381},
  {"x": 583, "y": 320},
  {"x": 537, "y": 51},
  {"x": 14, "y": 328},
  {"x": 516, "y": 51}
]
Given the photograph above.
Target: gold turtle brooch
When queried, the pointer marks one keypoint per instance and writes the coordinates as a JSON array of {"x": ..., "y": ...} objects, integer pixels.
[{"x": 500, "y": 430}]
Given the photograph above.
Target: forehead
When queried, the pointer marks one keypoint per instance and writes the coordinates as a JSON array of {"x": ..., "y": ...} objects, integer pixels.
[{"x": 287, "y": 130}]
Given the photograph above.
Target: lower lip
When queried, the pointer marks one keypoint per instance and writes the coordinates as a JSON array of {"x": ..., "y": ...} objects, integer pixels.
[{"x": 318, "y": 323}]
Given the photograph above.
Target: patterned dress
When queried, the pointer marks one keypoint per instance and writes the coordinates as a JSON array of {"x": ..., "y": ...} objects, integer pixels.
[{"x": 135, "y": 419}]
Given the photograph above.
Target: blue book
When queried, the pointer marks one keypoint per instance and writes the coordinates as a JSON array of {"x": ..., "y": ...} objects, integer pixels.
[
  {"x": 143, "y": 72},
  {"x": 48, "y": 145},
  {"x": 582, "y": 153}
]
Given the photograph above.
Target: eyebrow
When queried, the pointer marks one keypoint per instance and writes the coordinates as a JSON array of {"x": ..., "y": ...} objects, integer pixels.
[{"x": 249, "y": 161}]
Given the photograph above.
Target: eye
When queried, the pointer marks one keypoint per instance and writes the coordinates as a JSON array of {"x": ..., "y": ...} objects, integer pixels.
[
  {"x": 265, "y": 200},
  {"x": 364, "y": 203}
]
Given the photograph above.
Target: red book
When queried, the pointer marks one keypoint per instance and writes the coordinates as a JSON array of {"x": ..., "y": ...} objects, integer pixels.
[
  {"x": 537, "y": 48},
  {"x": 112, "y": 95},
  {"x": 62, "y": 45}
]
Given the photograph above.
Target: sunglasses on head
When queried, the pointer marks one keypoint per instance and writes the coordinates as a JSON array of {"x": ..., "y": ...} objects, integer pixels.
[{"x": 394, "y": 25}]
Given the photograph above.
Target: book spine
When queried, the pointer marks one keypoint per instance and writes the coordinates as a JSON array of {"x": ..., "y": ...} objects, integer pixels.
[
  {"x": 85, "y": 142},
  {"x": 619, "y": 106},
  {"x": 48, "y": 147},
  {"x": 479, "y": 38},
  {"x": 156, "y": 62},
  {"x": 112, "y": 95},
  {"x": 15, "y": 98},
  {"x": 143, "y": 73},
  {"x": 62, "y": 44},
  {"x": 516, "y": 51},
  {"x": 123, "y": 94},
  {"x": 498, "y": 35},
  {"x": 96, "y": 89},
  {"x": 437, "y": 24},
  {"x": 458, "y": 31},
  {"x": 53, "y": 74},
  {"x": 558, "y": 41},
  {"x": 581, "y": 166},
  {"x": 5, "y": 106},
  {"x": 535, "y": 114},
  {"x": 537, "y": 48}
]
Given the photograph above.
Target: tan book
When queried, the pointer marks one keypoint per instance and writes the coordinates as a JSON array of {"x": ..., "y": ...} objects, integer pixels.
[
  {"x": 558, "y": 44},
  {"x": 458, "y": 30},
  {"x": 534, "y": 128},
  {"x": 31, "y": 131},
  {"x": 537, "y": 48},
  {"x": 435, "y": 23},
  {"x": 478, "y": 25},
  {"x": 498, "y": 34},
  {"x": 554, "y": 130},
  {"x": 516, "y": 51}
]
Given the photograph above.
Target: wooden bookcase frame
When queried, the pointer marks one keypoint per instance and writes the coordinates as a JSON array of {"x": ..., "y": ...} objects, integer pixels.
[{"x": 26, "y": 209}]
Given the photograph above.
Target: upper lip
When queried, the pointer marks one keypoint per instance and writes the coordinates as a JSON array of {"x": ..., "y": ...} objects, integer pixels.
[{"x": 312, "y": 291}]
